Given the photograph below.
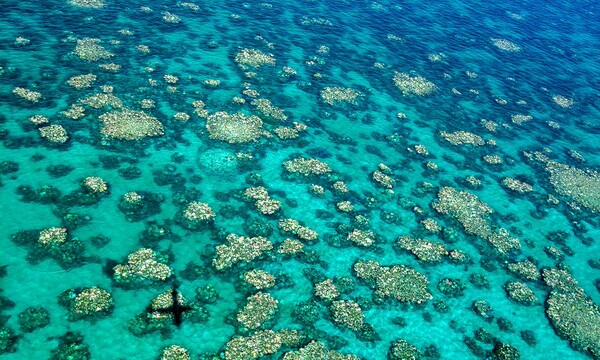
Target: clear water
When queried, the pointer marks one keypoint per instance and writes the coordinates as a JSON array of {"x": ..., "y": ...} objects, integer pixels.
[{"x": 367, "y": 42}]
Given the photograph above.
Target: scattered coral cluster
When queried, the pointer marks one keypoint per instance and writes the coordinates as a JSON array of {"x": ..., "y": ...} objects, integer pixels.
[
  {"x": 89, "y": 49},
  {"x": 234, "y": 128},
  {"x": 262, "y": 200},
  {"x": 473, "y": 215},
  {"x": 240, "y": 249},
  {"x": 424, "y": 250},
  {"x": 413, "y": 85},
  {"x": 259, "y": 308},
  {"x": 253, "y": 58},
  {"x": 333, "y": 95},
  {"x": 130, "y": 125},
  {"x": 291, "y": 226},
  {"x": 306, "y": 167},
  {"x": 143, "y": 266},
  {"x": 399, "y": 282}
]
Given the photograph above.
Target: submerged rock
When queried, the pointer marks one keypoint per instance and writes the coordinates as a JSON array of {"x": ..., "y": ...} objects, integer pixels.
[{"x": 33, "y": 318}]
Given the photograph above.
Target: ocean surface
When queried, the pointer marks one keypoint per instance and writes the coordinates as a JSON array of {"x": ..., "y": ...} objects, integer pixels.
[{"x": 299, "y": 179}]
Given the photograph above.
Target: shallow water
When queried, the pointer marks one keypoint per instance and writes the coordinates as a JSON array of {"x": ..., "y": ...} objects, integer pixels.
[{"x": 486, "y": 61}]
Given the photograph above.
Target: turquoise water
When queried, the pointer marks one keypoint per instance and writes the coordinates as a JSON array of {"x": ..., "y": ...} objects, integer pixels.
[{"x": 486, "y": 61}]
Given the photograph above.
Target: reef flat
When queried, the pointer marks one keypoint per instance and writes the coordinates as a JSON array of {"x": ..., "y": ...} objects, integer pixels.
[{"x": 241, "y": 180}]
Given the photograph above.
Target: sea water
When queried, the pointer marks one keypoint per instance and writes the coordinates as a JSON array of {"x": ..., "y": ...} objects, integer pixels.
[{"x": 398, "y": 101}]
